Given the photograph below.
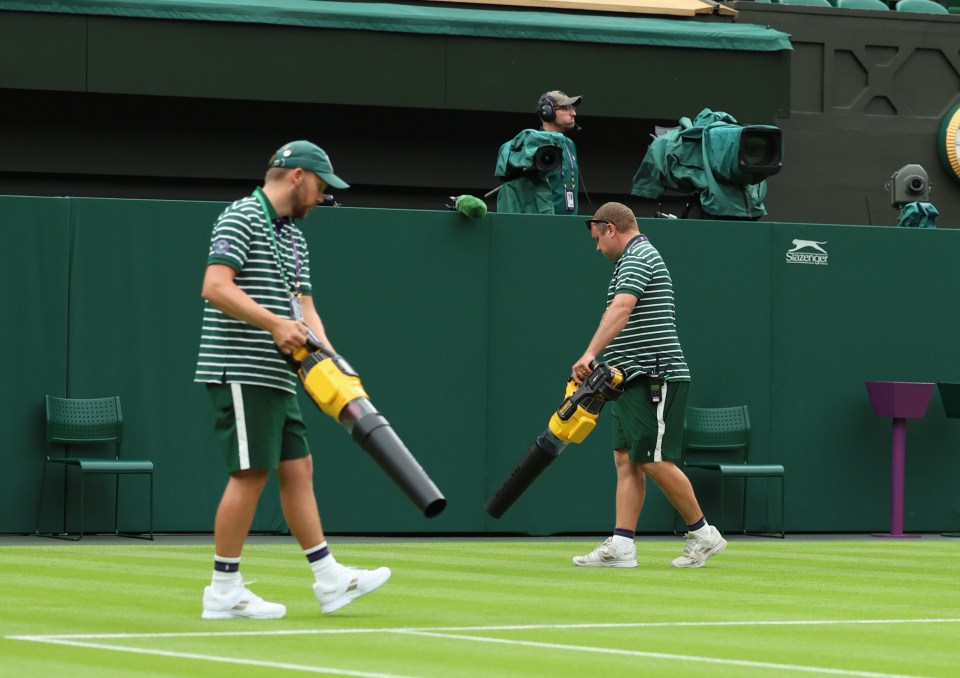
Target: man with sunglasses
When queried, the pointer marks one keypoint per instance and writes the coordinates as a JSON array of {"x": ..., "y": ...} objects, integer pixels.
[{"x": 638, "y": 334}]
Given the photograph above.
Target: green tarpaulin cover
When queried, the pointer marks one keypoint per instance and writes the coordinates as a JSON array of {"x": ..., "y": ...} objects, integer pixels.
[
  {"x": 529, "y": 25},
  {"x": 918, "y": 215},
  {"x": 680, "y": 160},
  {"x": 529, "y": 191}
]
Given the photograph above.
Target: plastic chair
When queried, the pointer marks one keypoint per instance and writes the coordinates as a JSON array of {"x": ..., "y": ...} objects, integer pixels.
[
  {"x": 725, "y": 432},
  {"x": 97, "y": 423},
  {"x": 863, "y": 4},
  {"x": 921, "y": 6},
  {"x": 809, "y": 3}
]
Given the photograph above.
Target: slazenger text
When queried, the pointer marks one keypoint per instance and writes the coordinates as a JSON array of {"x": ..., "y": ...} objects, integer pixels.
[{"x": 807, "y": 258}]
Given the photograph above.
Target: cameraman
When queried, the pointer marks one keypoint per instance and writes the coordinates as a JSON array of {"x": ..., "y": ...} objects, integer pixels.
[{"x": 539, "y": 167}]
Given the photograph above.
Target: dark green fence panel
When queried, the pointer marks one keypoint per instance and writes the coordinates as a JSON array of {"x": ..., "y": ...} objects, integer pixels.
[
  {"x": 36, "y": 238},
  {"x": 464, "y": 332},
  {"x": 547, "y": 289},
  {"x": 404, "y": 298},
  {"x": 721, "y": 274},
  {"x": 135, "y": 312},
  {"x": 883, "y": 307}
]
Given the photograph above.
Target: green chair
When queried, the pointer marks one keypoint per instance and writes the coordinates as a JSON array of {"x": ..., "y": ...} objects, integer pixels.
[
  {"x": 96, "y": 423},
  {"x": 717, "y": 440},
  {"x": 863, "y": 4},
  {"x": 921, "y": 6}
]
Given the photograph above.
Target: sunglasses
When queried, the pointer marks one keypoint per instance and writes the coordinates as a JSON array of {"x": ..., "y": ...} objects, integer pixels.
[{"x": 598, "y": 222}]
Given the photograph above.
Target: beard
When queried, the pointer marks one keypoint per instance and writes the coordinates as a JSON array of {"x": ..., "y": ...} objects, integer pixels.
[{"x": 301, "y": 208}]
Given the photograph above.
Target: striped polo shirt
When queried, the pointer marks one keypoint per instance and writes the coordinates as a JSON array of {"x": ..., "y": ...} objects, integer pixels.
[
  {"x": 233, "y": 351},
  {"x": 649, "y": 339}
]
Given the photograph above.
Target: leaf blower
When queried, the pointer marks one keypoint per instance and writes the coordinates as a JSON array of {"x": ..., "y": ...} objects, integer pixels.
[
  {"x": 336, "y": 389},
  {"x": 571, "y": 423}
]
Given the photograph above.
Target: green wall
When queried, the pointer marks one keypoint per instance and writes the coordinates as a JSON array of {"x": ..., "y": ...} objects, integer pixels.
[
  {"x": 463, "y": 333},
  {"x": 224, "y": 60}
]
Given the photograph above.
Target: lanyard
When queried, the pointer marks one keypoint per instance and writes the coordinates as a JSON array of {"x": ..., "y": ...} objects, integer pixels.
[
  {"x": 573, "y": 171},
  {"x": 295, "y": 285},
  {"x": 636, "y": 240}
]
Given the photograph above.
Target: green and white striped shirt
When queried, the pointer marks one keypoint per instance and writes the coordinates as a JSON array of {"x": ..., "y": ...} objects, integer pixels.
[
  {"x": 649, "y": 340},
  {"x": 233, "y": 351}
]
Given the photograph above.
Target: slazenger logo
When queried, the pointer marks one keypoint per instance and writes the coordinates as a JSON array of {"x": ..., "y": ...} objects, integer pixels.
[{"x": 818, "y": 256}]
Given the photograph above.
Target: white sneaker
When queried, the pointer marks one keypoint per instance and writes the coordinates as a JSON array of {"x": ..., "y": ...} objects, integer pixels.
[
  {"x": 239, "y": 602},
  {"x": 352, "y": 584},
  {"x": 698, "y": 549},
  {"x": 608, "y": 554}
]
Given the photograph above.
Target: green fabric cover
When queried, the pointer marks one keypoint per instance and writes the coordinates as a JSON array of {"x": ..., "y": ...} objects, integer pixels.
[
  {"x": 531, "y": 25},
  {"x": 526, "y": 191},
  {"x": 676, "y": 161},
  {"x": 918, "y": 215},
  {"x": 471, "y": 206}
]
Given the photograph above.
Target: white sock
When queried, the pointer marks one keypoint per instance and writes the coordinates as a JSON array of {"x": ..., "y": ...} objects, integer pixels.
[
  {"x": 621, "y": 542},
  {"x": 325, "y": 570},
  {"x": 224, "y": 582},
  {"x": 704, "y": 531}
]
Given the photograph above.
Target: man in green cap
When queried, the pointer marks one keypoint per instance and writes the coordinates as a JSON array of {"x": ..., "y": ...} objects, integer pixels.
[
  {"x": 258, "y": 304},
  {"x": 539, "y": 167}
]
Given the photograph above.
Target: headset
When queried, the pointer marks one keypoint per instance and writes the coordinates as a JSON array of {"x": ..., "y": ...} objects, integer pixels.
[{"x": 545, "y": 109}]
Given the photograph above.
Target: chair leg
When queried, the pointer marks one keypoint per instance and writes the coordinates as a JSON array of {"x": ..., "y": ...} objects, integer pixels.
[
  {"x": 43, "y": 485},
  {"x": 116, "y": 504},
  {"x": 81, "y": 505},
  {"x": 722, "y": 504},
  {"x": 743, "y": 514},
  {"x": 66, "y": 501},
  {"x": 135, "y": 535},
  {"x": 783, "y": 507},
  {"x": 150, "y": 508},
  {"x": 66, "y": 495},
  {"x": 781, "y": 534}
]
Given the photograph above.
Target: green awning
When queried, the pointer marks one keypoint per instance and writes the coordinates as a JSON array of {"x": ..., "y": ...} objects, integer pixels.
[{"x": 519, "y": 24}]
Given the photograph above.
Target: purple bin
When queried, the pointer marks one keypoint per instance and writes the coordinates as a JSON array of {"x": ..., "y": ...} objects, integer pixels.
[
  {"x": 898, "y": 400},
  {"x": 901, "y": 399}
]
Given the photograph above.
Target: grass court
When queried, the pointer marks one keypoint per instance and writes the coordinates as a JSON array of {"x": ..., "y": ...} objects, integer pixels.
[{"x": 470, "y": 608}]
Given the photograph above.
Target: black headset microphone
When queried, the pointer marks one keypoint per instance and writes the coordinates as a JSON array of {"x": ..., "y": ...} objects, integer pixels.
[{"x": 546, "y": 111}]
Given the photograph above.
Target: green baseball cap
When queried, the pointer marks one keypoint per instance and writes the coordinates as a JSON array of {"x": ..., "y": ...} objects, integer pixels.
[{"x": 310, "y": 157}]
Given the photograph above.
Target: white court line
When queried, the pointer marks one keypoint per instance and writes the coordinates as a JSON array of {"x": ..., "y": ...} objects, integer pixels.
[
  {"x": 213, "y": 658},
  {"x": 455, "y": 633},
  {"x": 512, "y": 627},
  {"x": 662, "y": 655}
]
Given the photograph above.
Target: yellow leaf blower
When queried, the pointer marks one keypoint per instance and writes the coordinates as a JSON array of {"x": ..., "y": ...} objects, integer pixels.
[
  {"x": 337, "y": 391},
  {"x": 571, "y": 423}
]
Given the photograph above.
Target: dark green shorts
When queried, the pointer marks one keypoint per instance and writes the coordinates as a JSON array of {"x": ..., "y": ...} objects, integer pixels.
[
  {"x": 257, "y": 426},
  {"x": 648, "y": 431}
]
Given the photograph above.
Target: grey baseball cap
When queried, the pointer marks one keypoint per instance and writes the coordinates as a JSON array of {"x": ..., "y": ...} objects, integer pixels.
[{"x": 559, "y": 98}]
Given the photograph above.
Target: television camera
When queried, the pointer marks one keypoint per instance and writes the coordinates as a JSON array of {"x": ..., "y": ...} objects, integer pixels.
[{"x": 719, "y": 163}]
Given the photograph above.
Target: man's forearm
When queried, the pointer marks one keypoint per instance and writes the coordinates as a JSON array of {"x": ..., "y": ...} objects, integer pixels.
[
  {"x": 611, "y": 324},
  {"x": 238, "y": 304}
]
